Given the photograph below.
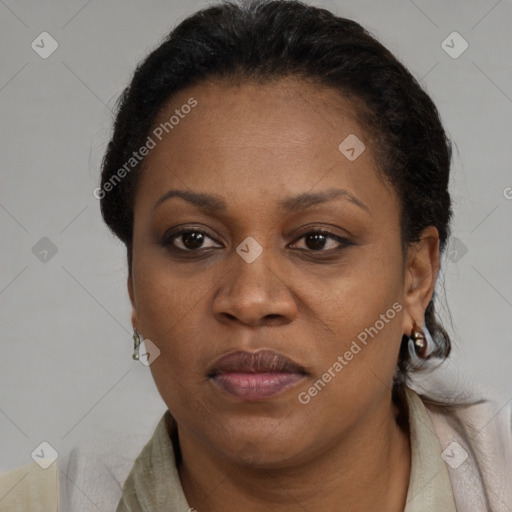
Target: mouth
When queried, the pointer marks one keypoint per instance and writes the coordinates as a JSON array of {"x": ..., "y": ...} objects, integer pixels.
[{"x": 254, "y": 376}]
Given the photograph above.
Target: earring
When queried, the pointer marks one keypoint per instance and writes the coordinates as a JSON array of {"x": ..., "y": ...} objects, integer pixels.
[
  {"x": 421, "y": 342},
  {"x": 136, "y": 344}
]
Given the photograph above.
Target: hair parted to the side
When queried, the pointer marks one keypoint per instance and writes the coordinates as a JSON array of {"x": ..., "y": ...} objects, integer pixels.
[{"x": 267, "y": 40}]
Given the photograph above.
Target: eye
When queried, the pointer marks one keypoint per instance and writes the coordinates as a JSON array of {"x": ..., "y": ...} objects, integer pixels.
[
  {"x": 188, "y": 240},
  {"x": 193, "y": 240},
  {"x": 317, "y": 241}
]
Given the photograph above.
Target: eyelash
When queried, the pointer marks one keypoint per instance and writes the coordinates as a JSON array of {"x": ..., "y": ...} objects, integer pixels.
[{"x": 169, "y": 238}]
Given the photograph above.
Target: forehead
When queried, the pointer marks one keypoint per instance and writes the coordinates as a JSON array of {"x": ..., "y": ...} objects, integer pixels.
[
  {"x": 284, "y": 114},
  {"x": 288, "y": 135}
]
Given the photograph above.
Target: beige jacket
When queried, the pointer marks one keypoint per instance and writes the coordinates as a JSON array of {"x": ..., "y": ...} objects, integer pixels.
[{"x": 461, "y": 461}]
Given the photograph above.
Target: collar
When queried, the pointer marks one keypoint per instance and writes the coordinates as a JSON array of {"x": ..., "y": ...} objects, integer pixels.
[
  {"x": 154, "y": 484},
  {"x": 429, "y": 483}
]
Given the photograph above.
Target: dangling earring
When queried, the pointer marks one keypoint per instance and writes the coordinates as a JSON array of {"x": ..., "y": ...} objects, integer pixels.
[
  {"x": 136, "y": 344},
  {"x": 421, "y": 344}
]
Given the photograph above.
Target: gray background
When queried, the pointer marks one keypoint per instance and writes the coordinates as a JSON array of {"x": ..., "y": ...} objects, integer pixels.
[{"x": 65, "y": 362}]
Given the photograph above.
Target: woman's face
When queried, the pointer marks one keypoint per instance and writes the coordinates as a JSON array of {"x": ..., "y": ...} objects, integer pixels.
[{"x": 264, "y": 172}]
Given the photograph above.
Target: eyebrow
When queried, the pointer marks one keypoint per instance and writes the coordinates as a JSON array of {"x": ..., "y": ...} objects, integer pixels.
[{"x": 215, "y": 203}]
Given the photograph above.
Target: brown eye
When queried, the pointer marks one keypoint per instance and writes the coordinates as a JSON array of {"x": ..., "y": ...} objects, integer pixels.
[
  {"x": 187, "y": 240},
  {"x": 318, "y": 240}
]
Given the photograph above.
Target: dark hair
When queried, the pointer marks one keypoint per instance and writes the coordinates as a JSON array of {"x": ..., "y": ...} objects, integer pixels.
[{"x": 267, "y": 40}]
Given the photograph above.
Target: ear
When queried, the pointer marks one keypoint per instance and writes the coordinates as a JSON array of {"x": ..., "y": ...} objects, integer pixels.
[
  {"x": 420, "y": 277},
  {"x": 131, "y": 294}
]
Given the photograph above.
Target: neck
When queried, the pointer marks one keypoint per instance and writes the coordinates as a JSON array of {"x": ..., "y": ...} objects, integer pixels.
[{"x": 367, "y": 469}]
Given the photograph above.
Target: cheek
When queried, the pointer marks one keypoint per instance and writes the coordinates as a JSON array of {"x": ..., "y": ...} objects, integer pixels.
[
  {"x": 367, "y": 288},
  {"x": 365, "y": 315},
  {"x": 169, "y": 314}
]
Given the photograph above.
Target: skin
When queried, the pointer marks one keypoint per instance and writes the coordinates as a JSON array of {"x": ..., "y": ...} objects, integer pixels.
[{"x": 253, "y": 145}]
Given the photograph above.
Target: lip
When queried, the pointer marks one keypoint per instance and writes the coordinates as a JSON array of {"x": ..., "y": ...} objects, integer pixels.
[{"x": 254, "y": 376}]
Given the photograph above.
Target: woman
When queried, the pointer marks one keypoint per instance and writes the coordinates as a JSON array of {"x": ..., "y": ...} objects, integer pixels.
[{"x": 280, "y": 182}]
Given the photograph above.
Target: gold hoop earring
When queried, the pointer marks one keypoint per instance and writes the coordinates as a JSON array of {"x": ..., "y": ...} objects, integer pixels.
[
  {"x": 422, "y": 341},
  {"x": 136, "y": 343},
  {"x": 419, "y": 340}
]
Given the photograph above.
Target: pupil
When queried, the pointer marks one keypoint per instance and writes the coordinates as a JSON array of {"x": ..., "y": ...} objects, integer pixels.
[
  {"x": 318, "y": 240},
  {"x": 192, "y": 240}
]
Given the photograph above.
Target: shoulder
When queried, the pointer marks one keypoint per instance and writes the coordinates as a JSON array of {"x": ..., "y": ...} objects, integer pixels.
[
  {"x": 86, "y": 477},
  {"x": 476, "y": 438},
  {"x": 29, "y": 488},
  {"x": 481, "y": 421}
]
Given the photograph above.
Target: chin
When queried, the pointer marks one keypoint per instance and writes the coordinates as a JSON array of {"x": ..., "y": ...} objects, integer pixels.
[{"x": 266, "y": 448}]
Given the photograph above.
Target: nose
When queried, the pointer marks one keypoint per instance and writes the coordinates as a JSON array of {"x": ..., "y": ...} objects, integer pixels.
[{"x": 254, "y": 294}]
